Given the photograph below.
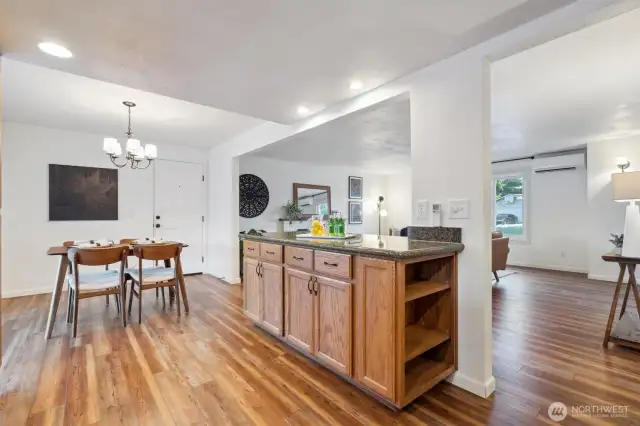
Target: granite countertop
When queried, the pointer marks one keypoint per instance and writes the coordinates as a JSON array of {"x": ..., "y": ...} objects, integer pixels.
[{"x": 374, "y": 245}]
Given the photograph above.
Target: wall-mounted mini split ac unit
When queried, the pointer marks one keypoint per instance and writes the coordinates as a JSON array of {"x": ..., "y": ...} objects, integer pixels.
[{"x": 561, "y": 163}]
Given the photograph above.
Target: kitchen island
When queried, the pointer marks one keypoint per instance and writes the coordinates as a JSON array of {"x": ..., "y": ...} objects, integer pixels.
[{"x": 380, "y": 311}]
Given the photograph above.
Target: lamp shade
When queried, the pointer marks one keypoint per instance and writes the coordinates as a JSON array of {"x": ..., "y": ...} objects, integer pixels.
[
  {"x": 626, "y": 186},
  {"x": 109, "y": 145},
  {"x": 151, "y": 151},
  {"x": 133, "y": 145}
]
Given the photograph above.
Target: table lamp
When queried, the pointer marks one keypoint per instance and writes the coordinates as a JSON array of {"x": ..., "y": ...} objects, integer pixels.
[{"x": 626, "y": 188}]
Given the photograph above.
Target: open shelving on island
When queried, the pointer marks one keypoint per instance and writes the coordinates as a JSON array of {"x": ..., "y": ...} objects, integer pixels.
[{"x": 430, "y": 327}]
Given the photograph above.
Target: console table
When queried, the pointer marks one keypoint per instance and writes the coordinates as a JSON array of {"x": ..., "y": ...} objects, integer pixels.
[{"x": 626, "y": 264}]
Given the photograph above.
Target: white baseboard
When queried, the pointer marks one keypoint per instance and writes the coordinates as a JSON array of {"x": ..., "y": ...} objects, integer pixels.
[
  {"x": 483, "y": 390},
  {"x": 235, "y": 281},
  {"x": 27, "y": 292},
  {"x": 600, "y": 277},
  {"x": 549, "y": 267}
]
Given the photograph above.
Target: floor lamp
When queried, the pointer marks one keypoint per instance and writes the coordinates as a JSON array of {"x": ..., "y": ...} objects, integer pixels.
[
  {"x": 381, "y": 213},
  {"x": 626, "y": 188}
]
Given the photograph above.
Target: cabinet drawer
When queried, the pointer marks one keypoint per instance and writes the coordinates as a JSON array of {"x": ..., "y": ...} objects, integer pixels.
[
  {"x": 271, "y": 252},
  {"x": 334, "y": 264},
  {"x": 251, "y": 248},
  {"x": 299, "y": 257}
]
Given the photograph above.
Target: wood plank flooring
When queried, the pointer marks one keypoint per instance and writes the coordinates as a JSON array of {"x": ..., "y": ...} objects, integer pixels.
[{"x": 213, "y": 367}]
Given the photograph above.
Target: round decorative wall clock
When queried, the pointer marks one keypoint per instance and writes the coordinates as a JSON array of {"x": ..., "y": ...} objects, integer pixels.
[{"x": 254, "y": 196}]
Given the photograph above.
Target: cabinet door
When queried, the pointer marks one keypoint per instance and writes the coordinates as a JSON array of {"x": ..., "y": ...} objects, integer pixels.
[
  {"x": 273, "y": 300},
  {"x": 333, "y": 324},
  {"x": 252, "y": 289},
  {"x": 375, "y": 321},
  {"x": 298, "y": 310}
]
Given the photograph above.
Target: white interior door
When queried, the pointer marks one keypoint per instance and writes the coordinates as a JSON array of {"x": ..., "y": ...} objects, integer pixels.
[{"x": 179, "y": 194}]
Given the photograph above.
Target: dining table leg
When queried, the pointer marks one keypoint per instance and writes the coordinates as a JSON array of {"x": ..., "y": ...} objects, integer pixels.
[
  {"x": 183, "y": 287},
  {"x": 55, "y": 296}
]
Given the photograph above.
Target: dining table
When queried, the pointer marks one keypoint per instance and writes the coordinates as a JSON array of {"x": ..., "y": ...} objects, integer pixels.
[{"x": 63, "y": 264}]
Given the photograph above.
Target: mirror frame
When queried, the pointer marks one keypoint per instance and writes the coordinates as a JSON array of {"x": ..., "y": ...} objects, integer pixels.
[{"x": 297, "y": 186}]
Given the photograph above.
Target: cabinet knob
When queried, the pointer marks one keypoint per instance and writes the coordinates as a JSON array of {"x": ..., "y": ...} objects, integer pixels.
[
  {"x": 157, "y": 216},
  {"x": 157, "y": 225}
]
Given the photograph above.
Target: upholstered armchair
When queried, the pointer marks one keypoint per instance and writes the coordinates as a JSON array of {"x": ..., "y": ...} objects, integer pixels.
[{"x": 499, "y": 253}]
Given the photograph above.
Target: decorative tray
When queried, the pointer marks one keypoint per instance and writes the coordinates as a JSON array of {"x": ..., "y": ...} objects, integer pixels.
[{"x": 325, "y": 237}]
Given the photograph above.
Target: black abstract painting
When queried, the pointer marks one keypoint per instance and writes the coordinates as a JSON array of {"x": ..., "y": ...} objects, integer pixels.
[{"x": 82, "y": 193}]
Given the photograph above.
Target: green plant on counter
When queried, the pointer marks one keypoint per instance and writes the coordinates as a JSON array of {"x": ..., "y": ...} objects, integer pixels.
[{"x": 292, "y": 211}]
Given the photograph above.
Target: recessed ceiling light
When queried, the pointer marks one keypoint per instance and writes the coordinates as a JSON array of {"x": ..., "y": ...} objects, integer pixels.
[
  {"x": 356, "y": 85},
  {"x": 54, "y": 49},
  {"x": 303, "y": 110}
]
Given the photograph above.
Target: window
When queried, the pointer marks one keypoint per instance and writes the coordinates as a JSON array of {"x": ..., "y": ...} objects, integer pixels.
[{"x": 509, "y": 205}]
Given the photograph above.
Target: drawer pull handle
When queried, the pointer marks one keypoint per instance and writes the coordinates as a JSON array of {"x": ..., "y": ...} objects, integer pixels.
[
  {"x": 331, "y": 264},
  {"x": 298, "y": 258},
  {"x": 271, "y": 252},
  {"x": 250, "y": 249}
]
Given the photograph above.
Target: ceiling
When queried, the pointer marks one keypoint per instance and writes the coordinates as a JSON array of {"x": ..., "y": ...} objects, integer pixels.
[
  {"x": 577, "y": 89},
  {"x": 50, "y": 98},
  {"x": 580, "y": 88},
  {"x": 259, "y": 58},
  {"x": 376, "y": 139}
]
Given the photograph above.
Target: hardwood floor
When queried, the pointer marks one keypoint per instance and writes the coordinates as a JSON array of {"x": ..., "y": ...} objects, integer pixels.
[{"x": 212, "y": 367}]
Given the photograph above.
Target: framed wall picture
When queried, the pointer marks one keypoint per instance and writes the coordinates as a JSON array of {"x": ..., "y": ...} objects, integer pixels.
[
  {"x": 355, "y": 187},
  {"x": 355, "y": 212},
  {"x": 82, "y": 193}
]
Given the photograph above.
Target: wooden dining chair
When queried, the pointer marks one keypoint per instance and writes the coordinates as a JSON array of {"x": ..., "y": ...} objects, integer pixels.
[
  {"x": 83, "y": 285},
  {"x": 70, "y": 244},
  {"x": 154, "y": 277}
]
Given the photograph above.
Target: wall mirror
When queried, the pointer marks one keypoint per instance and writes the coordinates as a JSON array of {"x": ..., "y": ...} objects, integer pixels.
[{"x": 312, "y": 199}]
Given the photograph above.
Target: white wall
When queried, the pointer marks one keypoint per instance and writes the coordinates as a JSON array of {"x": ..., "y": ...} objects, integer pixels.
[
  {"x": 398, "y": 200},
  {"x": 26, "y": 230},
  {"x": 606, "y": 216},
  {"x": 450, "y": 120},
  {"x": 280, "y": 176},
  {"x": 555, "y": 216}
]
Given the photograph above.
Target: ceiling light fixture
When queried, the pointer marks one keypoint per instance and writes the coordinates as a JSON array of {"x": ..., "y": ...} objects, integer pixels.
[
  {"x": 54, "y": 49},
  {"x": 135, "y": 152},
  {"x": 303, "y": 110},
  {"x": 356, "y": 85}
]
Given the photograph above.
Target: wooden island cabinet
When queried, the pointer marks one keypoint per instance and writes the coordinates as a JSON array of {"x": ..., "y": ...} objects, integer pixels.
[{"x": 379, "y": 311}]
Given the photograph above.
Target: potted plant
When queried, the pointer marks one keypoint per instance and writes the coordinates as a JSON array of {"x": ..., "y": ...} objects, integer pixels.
[
  {"x": 292, "y": 211},
  {"x": 258, "y": 232},
  {"x": 617, "y": 240}
]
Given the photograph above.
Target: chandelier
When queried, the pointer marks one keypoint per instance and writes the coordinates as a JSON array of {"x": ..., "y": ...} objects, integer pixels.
[{"x": 136, "y": 153}]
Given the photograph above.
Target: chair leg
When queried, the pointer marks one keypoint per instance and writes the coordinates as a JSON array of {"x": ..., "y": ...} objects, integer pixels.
[
  {"x": 117, "y": 297},
  {"x": 123, "y": 296},
  {"x": 69, "y": 304},
  {"x": 178, "y": 295},
  {"x": 164, "y": 303},
  {"x": 157, "y": 293},
  {"x": 140, "y": 304},
  {"x": 75, "y": 314},
  {"x": 133, "y": 284},
  {"x": 107, "y": 296},
  {"x": 495, "y": 274}
]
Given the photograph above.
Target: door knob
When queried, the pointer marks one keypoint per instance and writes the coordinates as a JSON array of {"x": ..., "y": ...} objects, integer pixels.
[
  {"x": 157, "y": 225},
  {"x": 157, "y": 216}
]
